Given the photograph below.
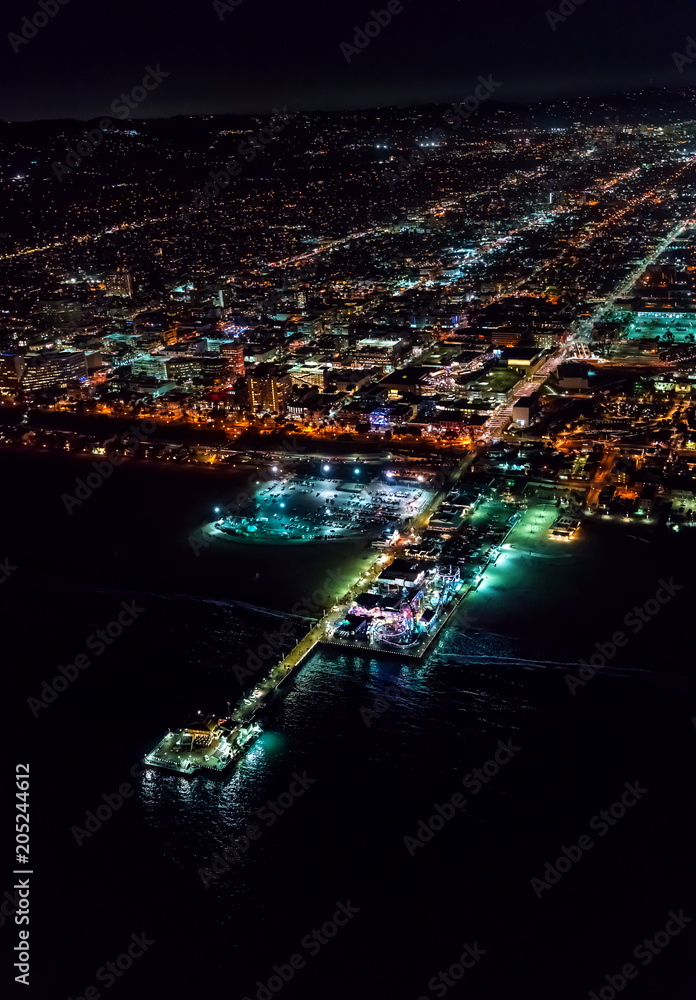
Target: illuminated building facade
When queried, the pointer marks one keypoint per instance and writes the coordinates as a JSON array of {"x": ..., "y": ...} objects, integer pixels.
[
  {"x": 53, "y": 369},
  {"x": 268, "y": 389}
]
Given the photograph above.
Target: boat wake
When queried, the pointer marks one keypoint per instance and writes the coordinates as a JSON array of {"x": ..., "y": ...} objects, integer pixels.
[
  {"x": 202, "y": 598},
  {"x": 565, "y": 666}
]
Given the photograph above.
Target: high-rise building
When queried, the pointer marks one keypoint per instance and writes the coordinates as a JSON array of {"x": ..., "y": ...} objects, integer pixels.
[
  {"x": 268, "y": 389},
  {"x": 119, "y": 283},
  {"x": 234, "y": 355},
  {"x": 11, "y": 368}
]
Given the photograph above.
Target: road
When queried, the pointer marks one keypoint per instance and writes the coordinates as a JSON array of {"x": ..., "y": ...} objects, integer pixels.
[{"x": 601, "y": 476}]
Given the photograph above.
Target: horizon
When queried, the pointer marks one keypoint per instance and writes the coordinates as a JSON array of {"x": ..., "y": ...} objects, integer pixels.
[{"x": 509, "y": 102}]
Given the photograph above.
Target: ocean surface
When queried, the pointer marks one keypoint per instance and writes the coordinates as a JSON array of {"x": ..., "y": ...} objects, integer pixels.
[{"x": 359, "y": 757}]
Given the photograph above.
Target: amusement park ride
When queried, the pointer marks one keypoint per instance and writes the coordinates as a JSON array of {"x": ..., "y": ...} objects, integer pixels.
[{"x": 405, "y": 615}]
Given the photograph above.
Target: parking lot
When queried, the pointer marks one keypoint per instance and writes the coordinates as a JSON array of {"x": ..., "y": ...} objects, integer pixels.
[{"x": 310, "y": 509}]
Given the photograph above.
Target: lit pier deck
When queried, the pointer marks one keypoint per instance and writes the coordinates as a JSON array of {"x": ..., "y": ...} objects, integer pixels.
[{"x": 179, "y": 752}]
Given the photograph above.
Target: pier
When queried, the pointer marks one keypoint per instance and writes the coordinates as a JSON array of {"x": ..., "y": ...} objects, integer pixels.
[{"x": 238, "y": 731}]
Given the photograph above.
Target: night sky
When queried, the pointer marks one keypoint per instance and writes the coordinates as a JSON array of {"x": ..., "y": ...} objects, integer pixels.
[{"x": 267, "y": 53}]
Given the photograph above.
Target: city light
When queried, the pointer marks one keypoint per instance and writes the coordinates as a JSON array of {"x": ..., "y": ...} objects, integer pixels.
[{"x": 515, "y": 329}]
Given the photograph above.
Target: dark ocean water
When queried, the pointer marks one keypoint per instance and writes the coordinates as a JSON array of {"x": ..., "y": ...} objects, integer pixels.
[
  {"x": 343, "y": 837},
  {"x": 368, "y": 787}
]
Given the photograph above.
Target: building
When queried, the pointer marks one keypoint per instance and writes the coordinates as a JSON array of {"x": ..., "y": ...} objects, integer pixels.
[
  {"x": 119, "y": 283},
  {"x": 307, "y": 375},
  {"x": 208, "y": 368},
  {"x": 53, "y": 370},
  {"x": 153, "y": 364},
  {"x": 381, "y": 351},
  {"x": 524, "y": 359},
  {"x": 11, "y": 368},
  {"x": 412, "y": 380},
  {"x": 572, "y": 375},
  {"x": 268, "y": 389},
  {"x": 505, "y": 337},
  {"x": 525, "y": 410},
  {"x": 234, "y": 358},
  {"x": 348, "y": 379},
  {"x": 62, "y": 312}
]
